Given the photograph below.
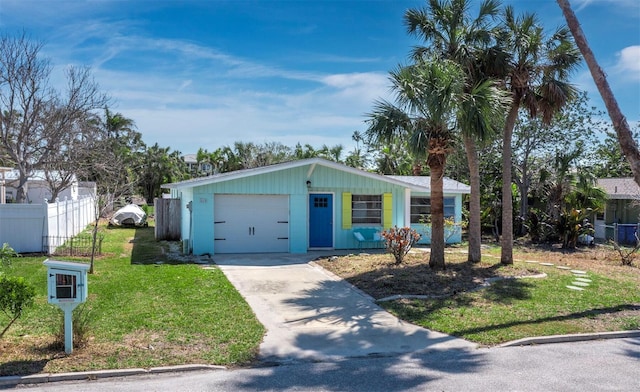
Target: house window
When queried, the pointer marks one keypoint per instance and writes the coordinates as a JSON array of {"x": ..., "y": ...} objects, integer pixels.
[
  {"x": 421, "y": 209},
  {"x": 366, "y": 209},
  {"x": 65, "y": 286},
  {"x": 321, "y": 202}
]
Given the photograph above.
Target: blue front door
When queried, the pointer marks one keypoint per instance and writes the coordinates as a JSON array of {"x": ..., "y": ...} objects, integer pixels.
[{"x": 321, "y": 220}]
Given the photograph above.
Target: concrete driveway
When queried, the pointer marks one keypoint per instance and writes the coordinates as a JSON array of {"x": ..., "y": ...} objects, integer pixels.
[{"x": 310, "y": 314}]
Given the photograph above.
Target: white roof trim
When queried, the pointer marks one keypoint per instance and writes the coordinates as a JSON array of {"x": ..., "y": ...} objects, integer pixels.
[
  {"x": 424, "y": 183},
  {"x": 222, "y": 177}
]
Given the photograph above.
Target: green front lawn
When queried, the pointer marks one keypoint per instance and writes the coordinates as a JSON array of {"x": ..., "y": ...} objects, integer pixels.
[
  {"x": 519, "y": 308},
  {"x": 144, "y": 309}
]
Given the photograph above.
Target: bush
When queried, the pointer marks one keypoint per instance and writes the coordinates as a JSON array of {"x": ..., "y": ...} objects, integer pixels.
[
  {"x": 6, "y": 253},
  {"x": 15, "y": 296},
  {"x": 81, "y": 323},
  {"x": 398, "y": 241}
]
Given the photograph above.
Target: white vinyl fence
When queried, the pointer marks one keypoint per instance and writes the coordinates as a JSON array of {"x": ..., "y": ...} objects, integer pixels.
[{"x": 40, "y": 228}]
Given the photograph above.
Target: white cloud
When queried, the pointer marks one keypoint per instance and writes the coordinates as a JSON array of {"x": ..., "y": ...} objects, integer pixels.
[
  {"x": 629, "y": 62},
  {"x": 173, "y": 112},
  {"x": 621, "y": 4},
  {"x": 186, "y": 94}
]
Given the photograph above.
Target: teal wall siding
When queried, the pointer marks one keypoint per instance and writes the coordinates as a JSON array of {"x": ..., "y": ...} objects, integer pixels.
[
  {"x": 298, "y": 237},
  {"x": 203, "y": 224},
  {"x": 286, "y": 182},
  {"x": 292, "y": 182},
  {"x": 328, "y": 180},
  {"x": 452, "y": 235}
]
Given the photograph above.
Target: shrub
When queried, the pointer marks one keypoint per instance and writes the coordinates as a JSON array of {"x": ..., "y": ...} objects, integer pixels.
[
  {"x": 81, "y": 323},
  {"x": 15, "y": 296},
  {"x": 571, "y": 225},
  {"x": 6, "y": 253},
  {"x": 398, "y": 241}
]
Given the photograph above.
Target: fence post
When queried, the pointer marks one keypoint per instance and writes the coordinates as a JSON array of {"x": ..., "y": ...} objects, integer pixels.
[
  {"x": 45, "y": 228},
  {"x": 66, "y": 217},
  {"x": 615, "y": 232}
]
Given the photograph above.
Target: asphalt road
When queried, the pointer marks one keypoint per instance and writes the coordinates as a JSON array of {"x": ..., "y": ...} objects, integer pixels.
[{"x": 605, "y": 365}]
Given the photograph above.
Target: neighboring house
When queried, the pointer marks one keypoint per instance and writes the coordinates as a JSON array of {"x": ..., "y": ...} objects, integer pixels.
[
  {"x": 297, "y": 206},
  {"x": 196, "y": 168},
  {"x": 622, "y": 211},
  {"x": 38, "y": 189}
]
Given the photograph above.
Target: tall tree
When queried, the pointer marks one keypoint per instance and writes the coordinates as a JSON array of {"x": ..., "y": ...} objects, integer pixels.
[
  {"x": 159, "y": 166},
  {"x": 534, "y": 142},
  {"x": 117, "y": 135},
  {"x": 536, "y": 71},
  {"x": 62, "y": 168},
  {"x": 357, "y": 158},
  {"x": 628, "y": 144},
  {"x": 111, "y": 163},
  {"x": 608, "y": 160},
  {"x": 429, "y": 98},
  {"x": 450, "y": 32},
  {"x": 35, "y": 119}
]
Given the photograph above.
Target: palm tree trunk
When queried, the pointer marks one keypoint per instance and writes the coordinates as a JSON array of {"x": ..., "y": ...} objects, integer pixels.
[
  {"x": 625, "y": 137},
  {"x": 436, "y": 164},
  {"x": 474, "y": 230},
  {"x": 506, "y": 241}
]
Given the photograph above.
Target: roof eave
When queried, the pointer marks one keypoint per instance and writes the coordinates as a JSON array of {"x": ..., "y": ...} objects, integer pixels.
[{"x": 283, "y": 166}]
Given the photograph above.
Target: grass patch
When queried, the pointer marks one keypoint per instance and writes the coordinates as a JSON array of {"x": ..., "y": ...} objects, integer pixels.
[
  {"x": 508, "y": 309},
  {"x": 147, "y": 307}
]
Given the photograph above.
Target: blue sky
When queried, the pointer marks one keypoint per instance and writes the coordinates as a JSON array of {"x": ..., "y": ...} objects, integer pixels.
[{"x": 197, "y": 73}]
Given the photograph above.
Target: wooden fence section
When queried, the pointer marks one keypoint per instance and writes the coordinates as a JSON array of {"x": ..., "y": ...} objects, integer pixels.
[
  {"x": 167, "y": 216},
  {"x": 38, "y": 228}
]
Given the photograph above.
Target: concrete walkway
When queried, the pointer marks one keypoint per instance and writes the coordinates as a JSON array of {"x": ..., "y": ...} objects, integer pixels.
[{"x": 311, "y": 314}]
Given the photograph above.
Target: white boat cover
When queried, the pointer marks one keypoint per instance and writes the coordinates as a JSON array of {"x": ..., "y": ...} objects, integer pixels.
[{"x": 129, "y": 215}]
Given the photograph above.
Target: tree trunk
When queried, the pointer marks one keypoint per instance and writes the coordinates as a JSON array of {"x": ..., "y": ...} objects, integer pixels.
[
  {"x": 21, "y": 194},
  {"x": 506, "y": 241},
  {"x": 627, "y": 144},
  {"x": 436, "y": 164},
  {"x": 94, "y": 240},
  {"x": 475, "y": 229},
  {"x": 13, "y": 320},
  {"x": 523, "y": 184}
]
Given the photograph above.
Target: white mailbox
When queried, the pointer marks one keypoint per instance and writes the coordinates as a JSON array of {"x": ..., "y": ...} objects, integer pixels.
[
  {"x": 67, "y": 281},
  {"x": 67, "y": 288}
]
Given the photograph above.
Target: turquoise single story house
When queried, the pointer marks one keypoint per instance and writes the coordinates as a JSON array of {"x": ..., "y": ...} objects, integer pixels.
[{"x": 304, "y": 205}]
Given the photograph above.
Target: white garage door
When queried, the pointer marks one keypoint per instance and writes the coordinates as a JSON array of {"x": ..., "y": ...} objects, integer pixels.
[{"x": 251, "y": 223}]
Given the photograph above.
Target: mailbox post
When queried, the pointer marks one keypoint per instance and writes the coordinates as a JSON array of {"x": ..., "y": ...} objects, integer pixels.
[{"x": 67, "y": 288}]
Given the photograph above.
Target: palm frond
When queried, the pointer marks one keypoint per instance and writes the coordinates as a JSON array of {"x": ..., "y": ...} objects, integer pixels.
[{"x": 386, "y": 122}]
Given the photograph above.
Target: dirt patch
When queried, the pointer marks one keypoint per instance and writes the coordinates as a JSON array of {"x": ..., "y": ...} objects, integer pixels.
[
  {"x": 601, "y": 259},
  {"x": 43, "y": 354},
  {"x": 377, "y": 275}
]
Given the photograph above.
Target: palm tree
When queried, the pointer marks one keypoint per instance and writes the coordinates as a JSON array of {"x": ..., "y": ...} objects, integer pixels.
[
  {"x": 429, "y": 96},
  {"x": 159, "y": 166},
  {"x": 536, "y": 70},
  {"x": 628, "y": 144},
  {"x": 116, "y": 125},
  {"x": 451, "y": 33}
]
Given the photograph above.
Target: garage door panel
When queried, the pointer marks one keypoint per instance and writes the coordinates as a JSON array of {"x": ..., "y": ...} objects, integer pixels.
[{"x": 251, "y": 223}]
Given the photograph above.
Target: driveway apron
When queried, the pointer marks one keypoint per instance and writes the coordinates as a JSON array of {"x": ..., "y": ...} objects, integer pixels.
[{"x": 311, "y": 314}]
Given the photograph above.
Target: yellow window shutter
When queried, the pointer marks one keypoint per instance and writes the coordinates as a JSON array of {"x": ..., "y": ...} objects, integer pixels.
[
  {"x": 346, "y": 210},
  {"x": 387, "y": 210}
]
